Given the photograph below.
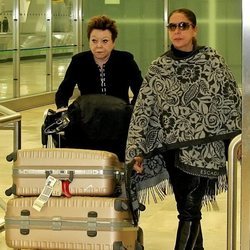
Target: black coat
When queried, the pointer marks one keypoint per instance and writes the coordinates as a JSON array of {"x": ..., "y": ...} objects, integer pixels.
[{"x": 121, "y": 72}]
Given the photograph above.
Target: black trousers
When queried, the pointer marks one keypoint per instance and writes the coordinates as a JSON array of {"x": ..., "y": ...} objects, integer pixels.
[{"x": 188, "y": 190}]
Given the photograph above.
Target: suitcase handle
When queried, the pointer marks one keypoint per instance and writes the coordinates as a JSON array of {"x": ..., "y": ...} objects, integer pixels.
[
  {"x": 59, "y": 125},
  {"x": 92, "y": 224},
  {"x": 65, "y": 183},
  {"x": 70, "y": 179}
]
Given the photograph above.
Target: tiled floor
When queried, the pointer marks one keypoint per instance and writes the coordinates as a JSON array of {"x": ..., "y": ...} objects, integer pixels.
[{"x": 158, "y": 222}]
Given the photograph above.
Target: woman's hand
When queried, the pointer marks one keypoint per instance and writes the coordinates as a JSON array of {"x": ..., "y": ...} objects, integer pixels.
[
  {"x": 138, "y": 167},
  {"x": 62, "y": 109}
]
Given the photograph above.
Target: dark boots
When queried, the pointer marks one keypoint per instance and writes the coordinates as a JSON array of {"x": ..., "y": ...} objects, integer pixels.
[
  {"x": 189, "y": 191},
  {"x": 183, "y": 233},
  {"x": 187, "y": 235},
  {"x": 199, "y": 241}
]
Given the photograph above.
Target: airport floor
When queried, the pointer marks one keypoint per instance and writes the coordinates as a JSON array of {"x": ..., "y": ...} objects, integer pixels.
[{"x": 158, "y": 221}]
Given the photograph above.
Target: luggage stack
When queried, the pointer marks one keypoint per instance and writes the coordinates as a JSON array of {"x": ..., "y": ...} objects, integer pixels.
[{"x": 66, "y": 198}]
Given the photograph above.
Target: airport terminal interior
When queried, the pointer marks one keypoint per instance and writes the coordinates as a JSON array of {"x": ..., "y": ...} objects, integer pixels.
[
  {"x": 158, "y": 221},
  {"x": 38, "y": 39}
]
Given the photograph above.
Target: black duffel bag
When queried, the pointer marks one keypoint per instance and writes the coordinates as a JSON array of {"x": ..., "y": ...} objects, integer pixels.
[{"x": 97, "y": 122}]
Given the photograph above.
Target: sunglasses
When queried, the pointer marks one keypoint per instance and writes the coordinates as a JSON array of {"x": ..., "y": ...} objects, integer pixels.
[{"x": 180, "y": 26}]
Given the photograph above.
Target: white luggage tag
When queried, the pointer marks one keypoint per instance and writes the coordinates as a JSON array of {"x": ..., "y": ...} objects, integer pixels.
[{"x": 52, "y": 185}]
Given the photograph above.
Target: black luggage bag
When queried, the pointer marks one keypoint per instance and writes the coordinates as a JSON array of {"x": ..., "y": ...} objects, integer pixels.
[{"x": 97, "y": 122}]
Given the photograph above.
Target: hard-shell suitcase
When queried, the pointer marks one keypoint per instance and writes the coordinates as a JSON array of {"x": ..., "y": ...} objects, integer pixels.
[
  {"x": 87, "y": 172},
  {"x": 84, "y": 223}
]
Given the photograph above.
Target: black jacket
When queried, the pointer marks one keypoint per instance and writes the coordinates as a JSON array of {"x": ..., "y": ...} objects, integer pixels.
[{"x": 121, "y": 72}]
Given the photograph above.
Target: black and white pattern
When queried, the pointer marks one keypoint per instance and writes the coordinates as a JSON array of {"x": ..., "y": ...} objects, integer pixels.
[{"x": 190, "y": 104}]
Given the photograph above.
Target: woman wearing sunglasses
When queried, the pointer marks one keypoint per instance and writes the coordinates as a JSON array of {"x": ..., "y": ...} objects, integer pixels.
[{"x": 188, "y": 109}]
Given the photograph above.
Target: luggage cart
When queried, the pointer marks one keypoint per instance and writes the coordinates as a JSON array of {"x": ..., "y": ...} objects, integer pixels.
[{"x": 232, "y": 194}]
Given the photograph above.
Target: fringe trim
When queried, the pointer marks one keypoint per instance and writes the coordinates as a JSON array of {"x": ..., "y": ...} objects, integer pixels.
[
  {"x": 215, "y": 187},
  {"x": 155, "y": 193},
  {"x": 160, "y": 191}
]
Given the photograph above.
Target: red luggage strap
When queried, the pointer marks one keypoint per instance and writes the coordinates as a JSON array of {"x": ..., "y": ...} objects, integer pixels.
[{"x": 65, "y": 183}]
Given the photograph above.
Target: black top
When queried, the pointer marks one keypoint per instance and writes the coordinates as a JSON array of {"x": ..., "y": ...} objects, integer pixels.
[
  {"x": 178, "y": 54},
  {"x": 121, "y": 72}
]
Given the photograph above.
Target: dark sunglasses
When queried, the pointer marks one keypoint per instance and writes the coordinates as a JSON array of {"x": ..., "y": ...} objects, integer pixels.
[{"x": 181, "y": 26}]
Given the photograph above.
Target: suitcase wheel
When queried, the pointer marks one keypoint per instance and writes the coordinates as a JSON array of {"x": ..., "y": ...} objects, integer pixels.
[
  {"x": 120, "y": 205},
  {"x": 139, "y": 246},
  {"x": 140, "y": 235},
  {"x": 11, "y": 157},
  {"x": 118, "y": 246},
  {"x": 139, "y": 242},
  {"x": 11, "y": 190}
]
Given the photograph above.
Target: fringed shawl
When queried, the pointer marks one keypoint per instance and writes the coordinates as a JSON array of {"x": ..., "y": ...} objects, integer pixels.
[{"x": 191, "y": 104}]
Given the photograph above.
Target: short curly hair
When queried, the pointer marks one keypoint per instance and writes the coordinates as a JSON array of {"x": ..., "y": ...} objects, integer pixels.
[{"x": 102, "y": 23}]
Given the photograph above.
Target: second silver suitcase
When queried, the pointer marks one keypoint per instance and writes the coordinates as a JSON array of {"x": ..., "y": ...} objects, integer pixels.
[{"x": 78, "y": 223}]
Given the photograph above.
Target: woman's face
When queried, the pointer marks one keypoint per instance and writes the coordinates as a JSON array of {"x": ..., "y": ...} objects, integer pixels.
[
  {"x": 101, "y": 44},
  {"x": 181, "y": 32}
]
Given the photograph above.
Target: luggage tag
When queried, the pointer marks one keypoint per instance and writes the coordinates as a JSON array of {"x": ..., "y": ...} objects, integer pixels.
[
  {"x": 50, "y": 184},
  {"x": 57, "y": 188}
]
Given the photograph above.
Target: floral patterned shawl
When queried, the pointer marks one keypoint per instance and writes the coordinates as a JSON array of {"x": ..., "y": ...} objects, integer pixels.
[{"x": 191, "y": 104}]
